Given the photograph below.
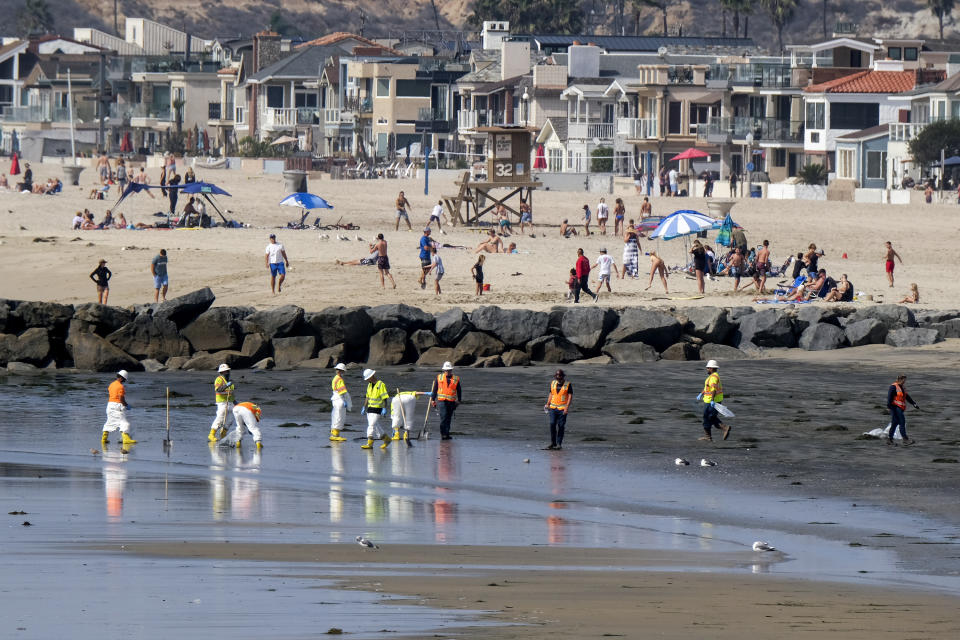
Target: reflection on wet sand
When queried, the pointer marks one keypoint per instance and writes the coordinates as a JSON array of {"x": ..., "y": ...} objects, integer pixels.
[
  {"x": 445, "y": 511},
  {"x": 336, "y": 499},
  {"x": 114, "y": 482},
  {"x": 556, "y": 526},
  {"x": 241, "y": 499}
]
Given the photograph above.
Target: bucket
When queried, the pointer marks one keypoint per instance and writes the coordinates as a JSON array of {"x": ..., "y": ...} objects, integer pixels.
[{"x": 486, "y": 287}]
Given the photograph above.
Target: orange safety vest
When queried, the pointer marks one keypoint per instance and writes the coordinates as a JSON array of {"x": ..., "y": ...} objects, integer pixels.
[
  {"x": 253, "y": 409},
  {"x": 712, "y": 389},
  {"x": 447, "y": 389},
  {"x": 117, "y": 392},
  {"x": 338, "y": 384},
  {"x": 899, "y": 396},
  {"x": 559, "y": 396}
]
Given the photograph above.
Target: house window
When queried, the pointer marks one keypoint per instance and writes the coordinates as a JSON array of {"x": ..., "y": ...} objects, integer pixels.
[
  {"x": 673, "y": 118},
  {"x": 702, "y": 113},
  {"x": 383, "y": 87},
  {"x": 854, "y": 115},
  {"x": 274, "y": 97},
  {"x": 955, "y": 109},
  {"x": 910, "y": 53},
  {"x": 779, "y": 157},
  {"x": 554, "y": 160},
  {"x": 845, "y": 168},
  {"x": 895, "y": 53},
  {"x": 411, "y": 88},
  {"x": 305, "y": 100},
  {"x": 877, "y": 165},
  {"x": 815, "y": 111}
]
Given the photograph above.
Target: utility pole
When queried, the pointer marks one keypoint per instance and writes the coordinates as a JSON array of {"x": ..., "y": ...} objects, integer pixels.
[
  {"x": 101, "y": 101},
  {"x": 116, "y": 23}
]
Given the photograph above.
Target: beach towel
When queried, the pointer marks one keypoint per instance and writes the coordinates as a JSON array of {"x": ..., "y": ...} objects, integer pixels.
[{"x": 630, "y": 257}]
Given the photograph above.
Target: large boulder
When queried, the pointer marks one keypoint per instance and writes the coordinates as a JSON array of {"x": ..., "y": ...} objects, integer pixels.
[
  {"x": 515, "y": 327},
  {"x": 186, "y": 308},
  {"x": 91, "y": 352},
  {"x": 868, "y": 331},
  {"x": 289, "y": 351},
  {"x": 949, "y": 328},
  {"x": 710, "y": 324},
  {"x": 630, "y": 352},
  {"x": 48, "y": 315},
  {"x": 435, "y": 357},
  {"x": 935, "y": 316},
  {"x": 655, "y": 328},
  {"x": 912, "y": 337},
  {"x": 553, "y": 349},
  {"x": 31, "y": 346},
  {"x": 281, "y": 322},
  {"x": 149, "y": 337},
  {"x": 99, "y": 319},
  {"x": 330, "y": 356},
  {"x": 767, "y": 328},
  {"x": 387, "y": 346},
  {"x": 515, "y": 358},
  {"x": 587, "y": 327},
  {"x": 681, "y": 351},
  {"x": 421, "y": 339},
  {"x": 893, "y": 316},
  {"x": 399, "y": 316},
  {"x": 711, "y": 351},
  {"x": 476, "y": 345},
  {"x": 809, "y": 315},
  {"x": 451, "y": 325},
  {"x": 349, "y": 326},
  {"x": 152, "y": 366},
  {"x": 255, "y": 346},
  {"x": 216, "y": 329},
  {"x": 203, "y": 361},
  {"x": 736, "y": 314},
  {"x": 822, "y": 337},
  {"x": 8, "y": 321}
]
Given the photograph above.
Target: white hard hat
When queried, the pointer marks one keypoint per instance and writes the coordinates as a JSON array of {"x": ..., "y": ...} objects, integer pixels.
[
  {"x": 712, "y": 364},
  {"x": 123, "y": 374},
  {"x": 223, "y": 367},
  {"x": 341, "y": 367},
  {"x": 368, "y": 373},
  {"x": 447, "y": 366}
]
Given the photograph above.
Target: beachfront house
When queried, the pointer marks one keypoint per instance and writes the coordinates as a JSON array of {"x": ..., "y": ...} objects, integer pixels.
[{"x": 862, "y": 165}]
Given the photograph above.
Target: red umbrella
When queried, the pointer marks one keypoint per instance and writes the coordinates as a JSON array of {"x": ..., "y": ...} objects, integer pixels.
[
  {"x": 14, "y": 165},
  {"x": 540, "y": 162},
  {"x": 691, "y": 153},
  {"x": 127, "y": 144}
]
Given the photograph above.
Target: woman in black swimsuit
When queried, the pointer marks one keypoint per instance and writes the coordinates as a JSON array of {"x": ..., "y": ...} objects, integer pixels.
[
  {"x": 699, "y": 263},
  {"x": 478, "y": 274}
]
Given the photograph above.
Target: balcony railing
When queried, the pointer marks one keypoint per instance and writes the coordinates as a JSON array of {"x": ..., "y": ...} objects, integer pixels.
[
  {"x": 85, "y": 112},
  {"x": 762, "y": 129},
  {"x": 483, "y": 118},
  {"x": 591, "y": 130},
  {"x": 905, "y": 131},
  {"x": 360, "y": 105},
  {"x": 153, "y": 112},
  {"x": 637, "y": 128},
  {"x": 749, "y": 75},
  {"x": 426, "y": 113},
  {"x": 680, "y": 74}
]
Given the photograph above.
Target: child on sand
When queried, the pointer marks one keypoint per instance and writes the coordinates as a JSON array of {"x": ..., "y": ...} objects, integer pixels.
[
  {"x": 436, "y": 267},
  {"x": 477, "y": 272},
  {"x": 571, "y": 283},
  {"x": 913, "y": 297}
]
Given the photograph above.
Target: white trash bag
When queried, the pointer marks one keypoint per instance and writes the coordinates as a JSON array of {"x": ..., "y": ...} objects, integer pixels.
[{"x": 724, "y": 411}]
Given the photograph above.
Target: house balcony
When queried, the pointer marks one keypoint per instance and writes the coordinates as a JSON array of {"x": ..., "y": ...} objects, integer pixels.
[
  {"x": 220, "y": 115},
  {"x": 637, "y": 128},
  {"x": 432, "y": 121},
  {"x": 736, "y": 129},
  {"x": 287, "y": 118},
  {"x": 769, "y": 76},
  {"x": 45, "y": 114},
  {"x": 358, "y": 105},
  {"x": 149, "y": 116},
  {"x": 337, "y": 118},
  {"x": 600, "y": 131},
  {"x": 468, "y": 120},
  {"x": 905, "y": 131}
]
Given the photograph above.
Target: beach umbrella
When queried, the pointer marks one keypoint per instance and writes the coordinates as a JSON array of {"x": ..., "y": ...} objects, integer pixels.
[
  {"x": 691, "y": 154},
  {"x": 540, "y": 162},
  {"x": 305, "y": 201},
  {"x": 682, "y": 223},
  {"x": 205, "y": 188},
  {"x": 14, "y": 165},
  {"x": 283, "y": 140},
  {"x": 126, "y": 145}
]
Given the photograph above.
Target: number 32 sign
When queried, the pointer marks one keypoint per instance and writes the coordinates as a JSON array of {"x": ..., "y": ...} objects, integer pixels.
[{"x": 503, "y": 169}]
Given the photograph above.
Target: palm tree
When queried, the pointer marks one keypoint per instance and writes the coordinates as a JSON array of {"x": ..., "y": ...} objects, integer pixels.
[
  {"x": 941, "y": 8},
  {"x": 659, "y": 4},
  {"x": 781, "y": 12},
  {"x": 35, "y": 17},
  {"x": 737, "y": 7}
]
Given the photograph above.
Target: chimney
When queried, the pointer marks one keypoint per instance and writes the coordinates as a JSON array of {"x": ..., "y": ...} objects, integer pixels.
[
  {"x": 266, "y": 49},
  {"x": 583, "y": 61},
  {"x": 514, "y": 58},
  {"x": 494, "y": 33}
]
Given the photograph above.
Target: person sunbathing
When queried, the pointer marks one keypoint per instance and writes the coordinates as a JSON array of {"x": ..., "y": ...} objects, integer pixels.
[
  {"x": 913, "y": 297},
  {"x": 107, "y": 221},
  {"x": 88, "y": 223},
  {"x": 843, "y": 292},
  {"x": 369, "y": 260},
  {"x": 566, "y": 230},
  {"x": 492, "y": 244},
  {"x": 120, "y": 222},
  {"x": 811, "y": 289}
]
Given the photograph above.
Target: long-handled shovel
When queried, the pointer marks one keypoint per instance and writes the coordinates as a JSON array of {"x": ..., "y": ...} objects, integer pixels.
[{"x": 167, "y": 442}]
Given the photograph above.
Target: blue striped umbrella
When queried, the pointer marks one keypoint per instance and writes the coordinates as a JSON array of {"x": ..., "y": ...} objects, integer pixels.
[
  {"x": 683, "y": 223},
  {"x": 305, "y": 201}
]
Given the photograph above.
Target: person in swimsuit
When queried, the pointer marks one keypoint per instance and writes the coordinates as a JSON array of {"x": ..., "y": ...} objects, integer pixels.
[
  {"x": 492, "y": 244},
  {"x": 402, "y": 204},
  {"x": 763, "y": 264},
  {"x": 658, "y": 266},
  {"x": 619, "y": 213},
  {"x": 843, "y": 292},
  {"x": 913, "y": 297},
  {"x": 891, "y": 254},
  {"x": 101, "y": 276},
  {"x": 646, "y": 209},
  {"x": 699, "y": 263},
  {"x": 477, "y": 272},
  {"x": 383, "y": 262}
]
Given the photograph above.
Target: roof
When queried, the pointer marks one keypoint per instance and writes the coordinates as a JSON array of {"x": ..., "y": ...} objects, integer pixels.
[
  {"x": 865, "y": 134},
  {"x": 950, "y": 84},
  {"x": 641, "y": 43},
  {"x": 491, "y": 87},
  {"x": 13, "y": 46},
  {"x": 559, "y": 127},
  {"x": 340, "y": 36},
  {"x": 868, "y": 81},
  {"x": 306, "y": 62},
  {"x": 853, "y": 43}
]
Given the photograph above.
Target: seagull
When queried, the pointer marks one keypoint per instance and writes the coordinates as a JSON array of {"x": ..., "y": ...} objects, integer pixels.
[
  {"x": 358, "y": 238},
  {"x": 363, "y": 542},
  {"x": 324, "y": 236},
  {"x": 681, "y": 462},
  {"x": 95, "y": 451},
  {"x": 707, "y": 463},
  {"x": 760, "y": 545}
]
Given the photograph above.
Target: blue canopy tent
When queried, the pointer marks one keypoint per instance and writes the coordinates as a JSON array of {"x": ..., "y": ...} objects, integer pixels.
[{"x": 205, "y": 189}]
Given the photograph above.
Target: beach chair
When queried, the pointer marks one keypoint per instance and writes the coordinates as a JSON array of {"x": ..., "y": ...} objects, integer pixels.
[{"x": 784, "y": 290}]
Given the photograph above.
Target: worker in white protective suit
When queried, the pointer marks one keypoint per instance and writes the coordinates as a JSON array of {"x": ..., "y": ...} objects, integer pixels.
[
  {"x": 402, "y": 408},
  {"x": 247, "y": 415},
  {"x": 117, "y": 410},
  {"x": 340, "y": 399},
  {"x": 223, "y": 389}
]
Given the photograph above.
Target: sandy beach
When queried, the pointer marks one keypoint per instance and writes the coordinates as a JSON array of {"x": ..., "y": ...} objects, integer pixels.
[{"x": 230, "y": 260}]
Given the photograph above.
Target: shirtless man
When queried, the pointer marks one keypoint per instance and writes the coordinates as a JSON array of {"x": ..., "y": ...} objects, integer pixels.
[
  {"x": 566, "y": 230},
  {"x": 646, "y": 209},
  {"x": 383, "y": 262},
  {"x": 369, "y": 260},
  {"x": 735, "y": 267},
  {"x": 142, "y": 179},
  {"x": 657, "y": 265},
  {"x": 891, "y": 254},
  {"x": 763, "y": 264},
  {"x": 839, "y": 293},
  {"x": 492, "y": 244},
  {"x": 103, "y": 168},
  {"x": 402, "y": 204}
]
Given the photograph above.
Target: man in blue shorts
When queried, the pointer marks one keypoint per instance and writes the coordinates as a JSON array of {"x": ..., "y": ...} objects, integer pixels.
[
  {"x": 158, "y": 267},
  {"x": 426, "y": 242},
  {"x": 275, "y": 258}
]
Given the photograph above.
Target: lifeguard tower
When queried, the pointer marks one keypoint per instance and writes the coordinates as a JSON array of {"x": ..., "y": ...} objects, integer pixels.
[{"x": 508, "y": 167}]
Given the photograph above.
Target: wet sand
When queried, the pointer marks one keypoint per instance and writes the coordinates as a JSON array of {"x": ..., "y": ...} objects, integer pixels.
[{"x": 606, "y": 536}]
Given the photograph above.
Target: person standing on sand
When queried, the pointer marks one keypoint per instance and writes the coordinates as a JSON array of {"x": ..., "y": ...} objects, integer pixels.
[
  {"x": 712, "y": 394},
  {"x": 897, "y": 399},
  {"x": 402, "y": 204},
  {"x": 586, "y": 220},
  {"x": 375, "y": 406},
  {"x": 275, "y": 258},
  {"x": 436, "y": 267},
  {"x": 158, "y": 269},
  {"x": 223, "y": 389},
  {"x": 557, "y": 407},
  {"x": 763, "y": 264},
  {"x": 582, "y": 268},
  {"x": 117, "y": 410},
  {"x": 173, "y": 181},
  {"x": 631, "y": 252},
  {"x": 383, "y": 262},
  {"x": 699, "y": 263},
  {"x": 603, "y": 213},
  {"x": 657, "y": 266},
  {"x": 619, "y": 213},
  {"x": 477, "y": 272},
  {"x": 101, "y": 276},
  {"x": 445, "y": 396},
  {"x": 891, "y": 254},
  {"x": 604, "y": 265},
  {"x": 425, "y": 243},
  {"x": 340, "y": 401}
]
